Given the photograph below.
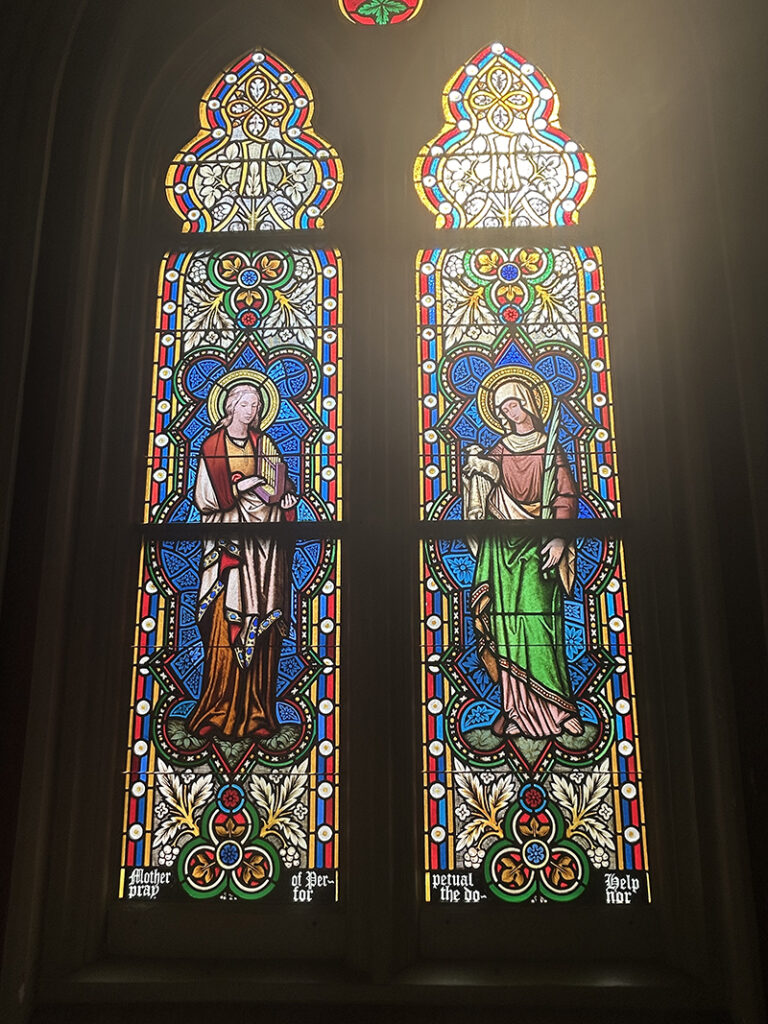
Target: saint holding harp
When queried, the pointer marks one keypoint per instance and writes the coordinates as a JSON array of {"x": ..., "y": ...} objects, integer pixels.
[
  {"x": 518, "y": 586},
  {"x": 245, "y": 582}
]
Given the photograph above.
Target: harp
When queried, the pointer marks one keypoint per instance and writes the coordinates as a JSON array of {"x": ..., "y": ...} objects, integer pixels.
[{"x": 270, "y": 466}]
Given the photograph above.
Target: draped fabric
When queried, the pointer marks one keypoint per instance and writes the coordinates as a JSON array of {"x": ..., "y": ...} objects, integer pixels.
[
  {"x": 517, "y": 606},
  {"x": 518, "y": 613},
  {"x": 244, "y": 596}
]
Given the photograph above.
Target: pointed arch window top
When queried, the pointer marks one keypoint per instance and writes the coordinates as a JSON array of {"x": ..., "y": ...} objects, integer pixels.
[
  {"x": 256, "y": 162},
  {"x": 501, "y": 158},
  {"x": 380, "y": 12}
]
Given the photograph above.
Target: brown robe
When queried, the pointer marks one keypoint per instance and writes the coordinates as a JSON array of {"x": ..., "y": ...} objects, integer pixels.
[{"x": 244, "y": 594}]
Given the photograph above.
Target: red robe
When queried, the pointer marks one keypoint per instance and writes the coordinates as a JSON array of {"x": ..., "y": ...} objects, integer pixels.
[{"x": 244, "y": 597}]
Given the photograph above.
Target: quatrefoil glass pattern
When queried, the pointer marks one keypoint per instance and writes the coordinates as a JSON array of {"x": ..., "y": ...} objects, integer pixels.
[
  {"x": 256, "y": 162},
  {"x": 501, "y": 158}
]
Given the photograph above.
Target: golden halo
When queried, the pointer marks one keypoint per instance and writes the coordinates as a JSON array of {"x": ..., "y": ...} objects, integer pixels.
[
  {"x": 509, "y": 374},
  {"x": 270, "y": 396}
]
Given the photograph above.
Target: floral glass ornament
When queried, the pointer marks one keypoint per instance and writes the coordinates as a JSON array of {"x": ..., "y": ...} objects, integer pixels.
[
  {"x": 256, "y": 162},
  {"x": 533, "y": 786},
  {"x": 232, "y": 755},
  {"x": 379, "y": 12},
  {"x": 501, "y": 159}
]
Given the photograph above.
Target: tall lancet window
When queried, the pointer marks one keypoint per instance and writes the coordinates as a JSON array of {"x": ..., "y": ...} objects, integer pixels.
[
  {"x": 531, "y": 763},
  {"x": 231, "y": 762}
]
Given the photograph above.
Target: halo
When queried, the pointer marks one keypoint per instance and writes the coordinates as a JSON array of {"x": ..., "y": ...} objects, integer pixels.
[
  {"x": 267, "y": 388},
  {"x": 508, "y": 374}
]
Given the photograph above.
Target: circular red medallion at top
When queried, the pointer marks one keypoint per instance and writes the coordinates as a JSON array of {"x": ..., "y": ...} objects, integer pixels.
[{"x": 380, "y": 12}]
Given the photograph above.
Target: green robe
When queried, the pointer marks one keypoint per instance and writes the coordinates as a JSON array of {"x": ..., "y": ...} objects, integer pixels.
[{"x": 519, "y": 614}]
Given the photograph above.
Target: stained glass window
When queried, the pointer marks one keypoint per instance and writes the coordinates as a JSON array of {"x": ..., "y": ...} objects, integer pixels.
[
  {"x": 231, "y": 762},
  {"x": 501, "y": 158},
  {"x": 532, "y": 782},
  {"x": 380, "y": 12},
  {"x": 232, "y": 756},
  {"x": 531, "y": 764},
  {"x": 256, "y": 162},
  {"x": 269, "y": 319},
  {"x": 519, "y": 321}
]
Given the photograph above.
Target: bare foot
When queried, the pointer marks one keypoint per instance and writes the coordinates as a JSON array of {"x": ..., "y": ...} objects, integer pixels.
[
  {"x": 497, "y": 728},
  {"x": 574, "y": 727}
]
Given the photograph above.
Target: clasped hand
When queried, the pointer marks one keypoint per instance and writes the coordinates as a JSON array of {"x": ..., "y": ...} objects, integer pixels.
[
  {"x": 552, "y": 552},
  {"x": 248, "y": 483}
]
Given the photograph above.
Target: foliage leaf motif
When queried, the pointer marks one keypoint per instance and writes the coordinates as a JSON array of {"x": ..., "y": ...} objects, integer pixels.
[
  {"x": 467, "y": 300},
  {"x": 487, "y": 805},
  {"x": 563, "y": 870},
  {"x": 294, "y": 308},
  {"x": 178, "y": 735},
  {"x": 512, "y": 872},
  {"x": 537, "y": 168},
  {"x": 529, "y": 260},
  {"x": 231, "y": 830},
  {"x": 276, "y": 806},
  {"x": 269, "y": 267},
  {"x": 185, "y": 804},
  {"x": 204, "y": 313},
  {"x": 217, "y": 179},
  {"x": 511, "y": 293},
  {"x": 549, "y": 302},
  {"x": 293, "y": 833},
  {"x": 252, "y": 187},
  {"x": 564, "y": 792},
  {"x": 382, "y": 11},
  {"x": 466, "y": 312},
  {"x": 254, "y": 869},
  {"x": 535, "y": 829},
  {"x": 297, "y": 180},
  {"x": 234, "y": 751},
  {"x": 553, "y": 301},
  {"x": 488, "y": 261},
  {"x": 465, "y": 185},
  {"x": 203, "y": 870},
  {"x": 581, "y": 806},
  {"x": 262, "y": 793},
  {"x": 231, "y": 267},
  {"x": 280, "y": 211}
]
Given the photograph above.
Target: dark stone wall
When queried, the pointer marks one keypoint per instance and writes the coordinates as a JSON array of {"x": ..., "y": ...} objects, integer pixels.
[{"x": 706, "y": 211}]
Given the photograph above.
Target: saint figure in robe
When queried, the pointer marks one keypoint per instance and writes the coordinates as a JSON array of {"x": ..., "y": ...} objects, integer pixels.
[
  {"x": 245, "y": 582},
  {"x": 519, "y": 581}
]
